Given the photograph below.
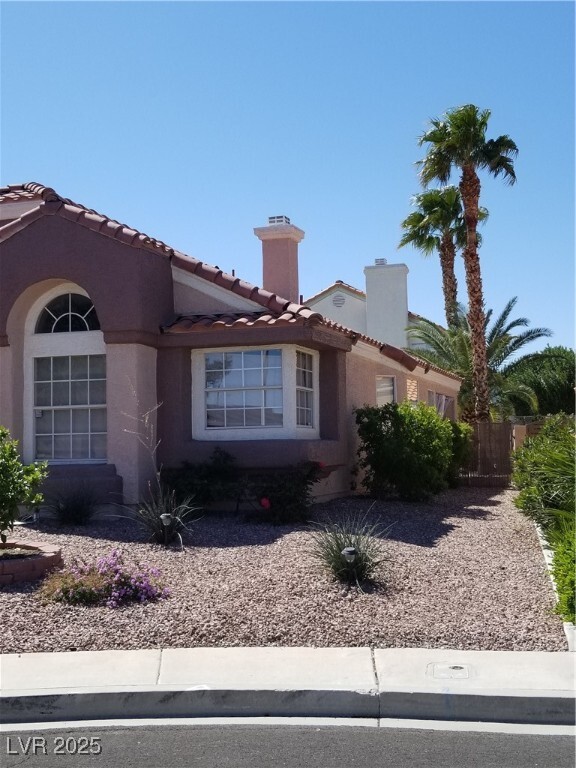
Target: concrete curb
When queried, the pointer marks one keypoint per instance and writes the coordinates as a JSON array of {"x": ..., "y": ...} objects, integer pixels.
[{"x": 489, "y": 686}]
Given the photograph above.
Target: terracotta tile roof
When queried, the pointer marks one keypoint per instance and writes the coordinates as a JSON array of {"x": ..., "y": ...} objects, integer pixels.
[
  {"x": 281, "y": 312},
  {"x": 50, "y": 203},
  {"x": 293, "y": 315}
]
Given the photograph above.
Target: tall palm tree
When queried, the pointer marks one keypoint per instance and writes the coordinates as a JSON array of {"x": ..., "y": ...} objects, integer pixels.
[
  {"x": 438, "y": 225},
  {"x": 452, "y": 350},
  {"x": 458, "y": 141}
]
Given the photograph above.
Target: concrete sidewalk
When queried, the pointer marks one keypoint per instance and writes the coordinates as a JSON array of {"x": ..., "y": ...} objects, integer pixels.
[{"x": 489, "y": 686}]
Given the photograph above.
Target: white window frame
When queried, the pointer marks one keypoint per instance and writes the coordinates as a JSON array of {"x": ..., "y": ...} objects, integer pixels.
[
  {"x": 289, "y": 428},
  {"x": 394, "y": 389},
  {"x": 53, "y": 345}
]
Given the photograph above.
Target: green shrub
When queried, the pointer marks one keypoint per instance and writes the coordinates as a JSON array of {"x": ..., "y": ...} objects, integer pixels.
[
  {"x": 561, "y": 540},
  {"x": 207, "y": 482},
  {"x": 18, "y": 483},
  {"x": 354, "y": 532},
  {"x": 285, "y": 496},
  {"x": 75, "y": 505},
  {"x": 461, "y": 450},
  {"x": 404, "y": 449},
  {"x": 544, "y": 473}
]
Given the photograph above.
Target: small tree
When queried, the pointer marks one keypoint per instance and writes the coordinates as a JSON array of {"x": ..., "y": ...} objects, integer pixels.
[{"x": 18, "y": 483}]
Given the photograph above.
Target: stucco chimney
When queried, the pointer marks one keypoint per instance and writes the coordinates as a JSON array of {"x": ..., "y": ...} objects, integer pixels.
[
  {"x": 280, "y": 257},
  {"x": 387, "y": 302}
]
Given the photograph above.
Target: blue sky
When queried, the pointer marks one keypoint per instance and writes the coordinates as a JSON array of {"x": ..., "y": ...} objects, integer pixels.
[{"x": 195, "y": 121}]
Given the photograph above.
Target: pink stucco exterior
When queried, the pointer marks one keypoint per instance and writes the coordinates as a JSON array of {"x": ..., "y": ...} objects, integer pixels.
[{"x": 157, "y": 309}]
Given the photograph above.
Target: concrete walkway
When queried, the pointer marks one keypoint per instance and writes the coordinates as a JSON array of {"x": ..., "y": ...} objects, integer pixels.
[{"x": 489, "y": 686}]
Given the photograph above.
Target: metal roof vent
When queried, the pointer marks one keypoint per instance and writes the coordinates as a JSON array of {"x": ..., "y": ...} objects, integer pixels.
[
  {"x": 278, "y": 220},
  {"x": 338, "y": 299},
  {"x": 380, "y": 262}
]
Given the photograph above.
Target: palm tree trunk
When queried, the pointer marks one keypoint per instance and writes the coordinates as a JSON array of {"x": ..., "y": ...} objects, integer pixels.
[
  {"x": 449, "y": 283},
  {"x": 470, "y": 191}
]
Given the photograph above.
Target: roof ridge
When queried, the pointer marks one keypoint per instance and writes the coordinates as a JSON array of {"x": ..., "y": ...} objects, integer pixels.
[{"x": 109, "y": 227}]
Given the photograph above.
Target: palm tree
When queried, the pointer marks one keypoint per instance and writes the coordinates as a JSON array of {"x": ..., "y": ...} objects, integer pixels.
[
  {"x": 459, "y": 142},
  {"x": 438, "y": 225},
  {"x": 452, "y": 350}
]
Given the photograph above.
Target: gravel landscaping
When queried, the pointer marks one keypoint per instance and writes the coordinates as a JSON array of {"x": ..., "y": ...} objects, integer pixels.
[{"x": 464, "y": 571}]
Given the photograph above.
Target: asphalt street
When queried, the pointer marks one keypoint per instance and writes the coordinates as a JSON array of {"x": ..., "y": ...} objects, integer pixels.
[{"x": 278, "y": 746}]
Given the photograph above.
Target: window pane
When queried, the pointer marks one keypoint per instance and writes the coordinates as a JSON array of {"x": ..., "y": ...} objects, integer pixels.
[
  {"x": 235, "y": 417},
  {"x": 385, "y": 390},
  {"x": 214, "y": 380},
  {"x": 60, "y": 305},
  {"x": 233, "y": 379},
  {"x": 215, "y": 399},
  {"x": 253, "y": 417},
  {"x": 97, "y": 392},
  {"x": 77, "y": 323},
  {"x": 214, "y": 361},
  {"x": 253, "y": 378},
  {"x": 79, "y": 392},
  {"x": 273, "y": 398},
  {"x": 233, "y": 361},
  {"x": 81, "y": 447},
  {"x": 273, "y": 377},
  {"x": 235, "y": 399},
  {"x": 43, "y": 422},
  {"x": 97, "y": 420},
  {"x": 61, "y": 368},
  {"x": 80, "y": 421},
  {"x": 42, "y": 394},
  {"x": 98, "y": 447},
  {"x": 253, "y": 397},
  {"x": 215, "y": 418},
  {"x": 272, "y": 417},
  {"x": 44, "y": 447},
  {"x": 97, "y": 366},
  {"x": 272, "y": 358},
  {"x": 45, "y": 322},
  {"x": 61, "y": 393},
  {"x": 80, "y": 304},
  {"x": 62, "y": 325},
  {"x": 253, "y": 359},
  {"x": 79, "y": 367},
  {"x": 61, "y": 422},
  {"x": 43, "y": 369},
  {"x": 62, "y": 448}
]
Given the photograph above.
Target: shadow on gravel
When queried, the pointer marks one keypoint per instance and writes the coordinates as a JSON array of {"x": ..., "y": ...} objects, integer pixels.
[{"x": 422, "y": 524}]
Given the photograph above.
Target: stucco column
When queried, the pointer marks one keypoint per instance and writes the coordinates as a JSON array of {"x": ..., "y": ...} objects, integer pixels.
[
  {"x": 7, "y": 412},
  {"x": 131, "y": 394}
]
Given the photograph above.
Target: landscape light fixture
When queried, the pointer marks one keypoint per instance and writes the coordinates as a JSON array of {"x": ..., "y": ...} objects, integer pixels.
[
  {"x": 349, "y": 554},
  {"x": 166, "y": 519}
]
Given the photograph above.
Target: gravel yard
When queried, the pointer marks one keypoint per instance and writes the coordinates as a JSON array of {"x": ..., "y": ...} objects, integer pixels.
[{"x": 464, "y": 571}]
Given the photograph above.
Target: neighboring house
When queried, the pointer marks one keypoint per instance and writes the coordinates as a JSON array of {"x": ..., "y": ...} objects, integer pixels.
[{"x": 100, "y": 323}]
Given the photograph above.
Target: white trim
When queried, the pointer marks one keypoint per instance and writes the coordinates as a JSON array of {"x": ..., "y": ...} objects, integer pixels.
[
  {"x": 289, "y": 430},
  {"x": 52, "y": 345}
]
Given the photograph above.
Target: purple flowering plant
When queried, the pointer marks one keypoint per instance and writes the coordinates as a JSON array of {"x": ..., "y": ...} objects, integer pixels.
[{"x": 108, "y": 582}]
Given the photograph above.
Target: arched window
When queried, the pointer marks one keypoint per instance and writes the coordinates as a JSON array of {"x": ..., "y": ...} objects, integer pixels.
[
  {"x": 68, "y": 313},
  {"x": 66, "y": 379}
]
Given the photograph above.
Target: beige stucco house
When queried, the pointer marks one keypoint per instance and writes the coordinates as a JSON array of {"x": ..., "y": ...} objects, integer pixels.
[{"x": 100, "y": 323}]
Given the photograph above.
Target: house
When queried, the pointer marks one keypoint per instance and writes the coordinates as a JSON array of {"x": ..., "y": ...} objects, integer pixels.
[{"x": 99, "y": 324}]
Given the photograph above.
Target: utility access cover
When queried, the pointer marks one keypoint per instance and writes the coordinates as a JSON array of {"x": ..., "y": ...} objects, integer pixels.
[{"x": 448, "y": 671}]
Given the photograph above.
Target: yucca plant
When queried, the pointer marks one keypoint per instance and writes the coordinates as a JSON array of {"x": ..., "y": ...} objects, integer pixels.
[
  {"x": 350, "y": 548},
  {"x": 163, "y": 515},
  {"x": 76, "y": 504}
]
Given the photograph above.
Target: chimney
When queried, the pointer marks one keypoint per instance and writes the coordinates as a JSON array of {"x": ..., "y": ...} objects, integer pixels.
[
  {"x": 280, "y": 257},
  {"x": 387, "y": 302}
]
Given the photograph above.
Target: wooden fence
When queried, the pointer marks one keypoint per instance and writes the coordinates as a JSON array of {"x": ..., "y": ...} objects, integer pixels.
[{"x": 490, "y": 462}]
